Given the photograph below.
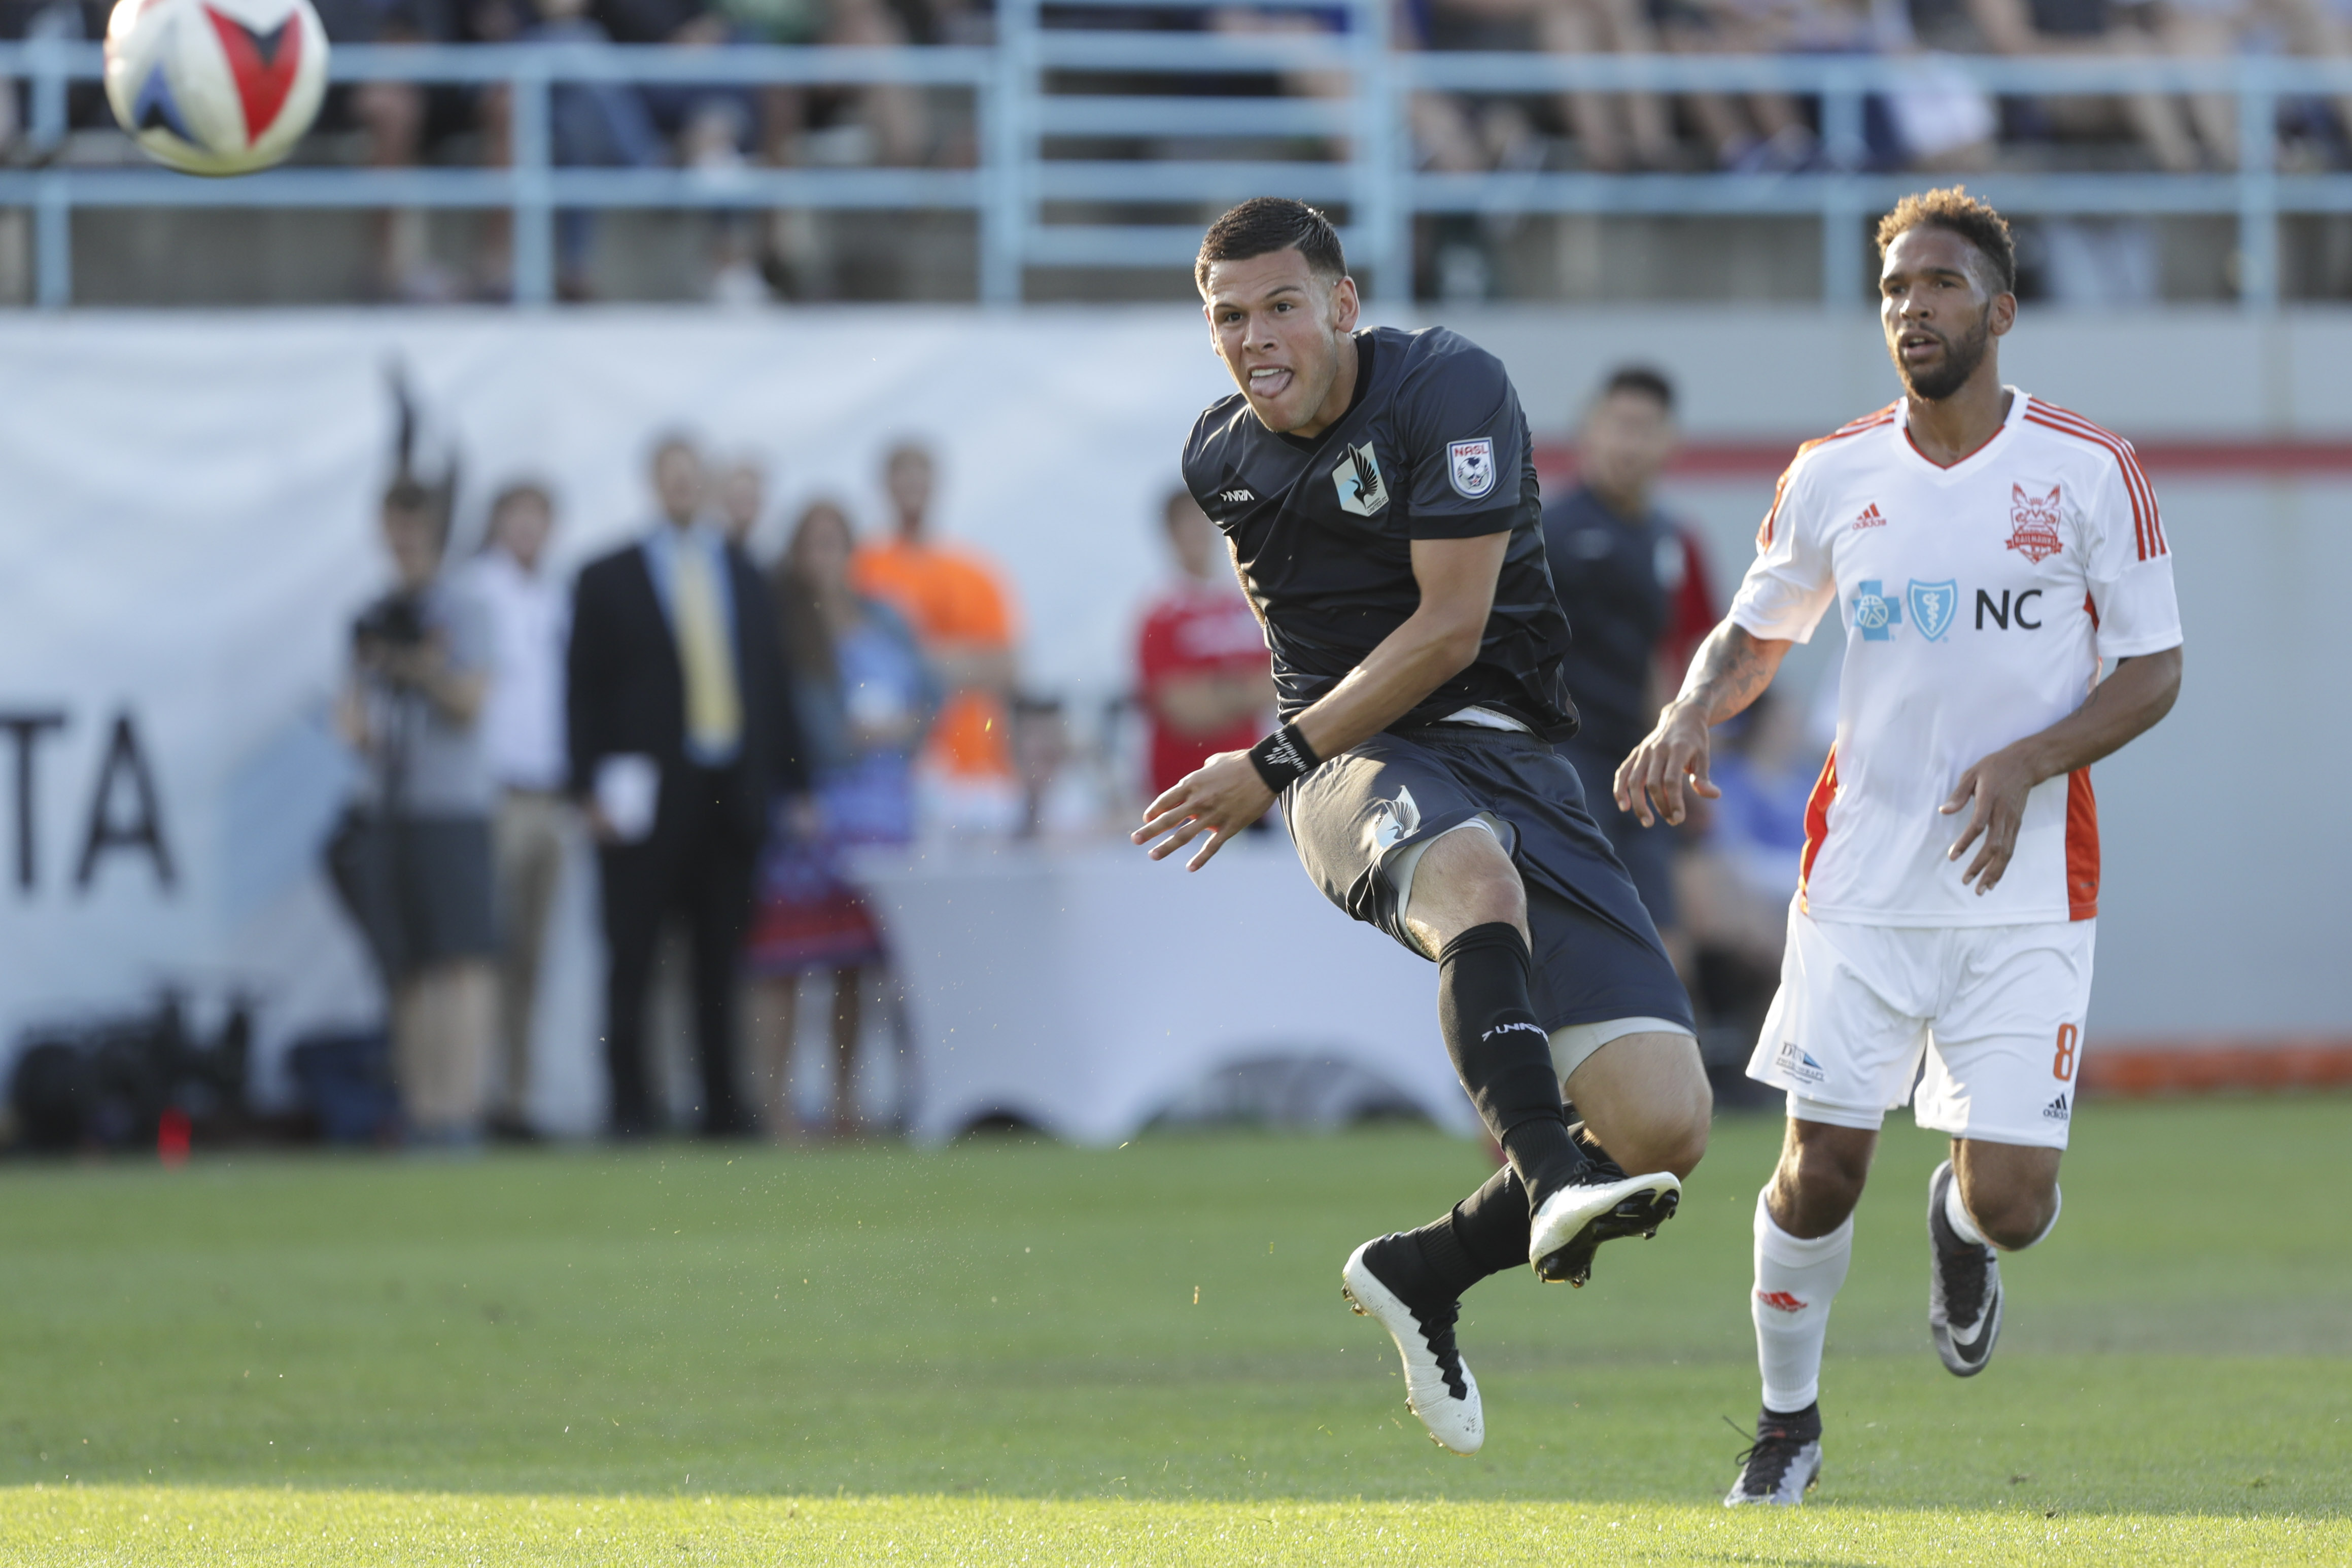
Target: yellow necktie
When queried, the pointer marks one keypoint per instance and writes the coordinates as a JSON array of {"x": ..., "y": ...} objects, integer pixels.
[{"x": 714, "y": 712}]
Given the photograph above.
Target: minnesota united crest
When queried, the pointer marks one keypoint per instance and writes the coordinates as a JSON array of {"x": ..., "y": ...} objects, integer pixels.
[{"x": 1358, "y": 479}]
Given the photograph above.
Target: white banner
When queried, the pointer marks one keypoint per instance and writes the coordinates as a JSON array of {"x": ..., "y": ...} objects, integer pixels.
[{"x": 191, "y": 523}]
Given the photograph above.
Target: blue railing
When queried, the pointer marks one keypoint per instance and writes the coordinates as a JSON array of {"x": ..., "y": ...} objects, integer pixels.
[{"x": 1349, "y": 89}]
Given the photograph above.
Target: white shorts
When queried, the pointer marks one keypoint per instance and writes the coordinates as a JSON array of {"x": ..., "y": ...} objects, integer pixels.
[{"x": 1997, "y": 1010}]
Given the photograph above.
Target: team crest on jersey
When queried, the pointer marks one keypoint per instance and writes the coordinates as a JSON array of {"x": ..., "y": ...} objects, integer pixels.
[
  {"x": 2033, "y": 524},
  {"x": 1357, "y": 477},
  {"x": 1932, "y": 606},
  {"x": 1471, "y": 466}
]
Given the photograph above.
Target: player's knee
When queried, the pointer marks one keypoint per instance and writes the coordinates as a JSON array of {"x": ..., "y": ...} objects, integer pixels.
[
  {"x": 1824, "y": 1180},
  {"x": 2011, "y": 1220}
]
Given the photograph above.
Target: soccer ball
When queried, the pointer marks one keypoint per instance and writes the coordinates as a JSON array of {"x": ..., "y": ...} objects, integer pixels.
[{"x": 215, "y": 87}]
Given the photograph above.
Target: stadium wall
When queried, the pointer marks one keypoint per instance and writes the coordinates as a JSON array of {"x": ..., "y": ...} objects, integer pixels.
[{"x": 190, "y": 527}]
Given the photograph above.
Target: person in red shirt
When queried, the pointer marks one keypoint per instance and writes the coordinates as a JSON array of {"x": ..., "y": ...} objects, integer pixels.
[{"x": 1203, "y": 671}]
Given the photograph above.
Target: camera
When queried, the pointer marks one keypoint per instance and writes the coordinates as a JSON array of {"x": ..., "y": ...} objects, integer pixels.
[{"x": 393, "y": 624}]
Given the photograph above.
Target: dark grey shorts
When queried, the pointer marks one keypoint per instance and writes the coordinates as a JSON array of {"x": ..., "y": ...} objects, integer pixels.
[{"x": 1596, "y": 955}]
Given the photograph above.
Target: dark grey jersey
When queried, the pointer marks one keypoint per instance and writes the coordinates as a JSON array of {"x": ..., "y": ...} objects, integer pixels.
[{"x": 1435, "y": 446}]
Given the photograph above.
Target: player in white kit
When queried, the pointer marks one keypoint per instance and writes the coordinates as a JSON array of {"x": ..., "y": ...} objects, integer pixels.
[{"x": 1988, "y": 552}]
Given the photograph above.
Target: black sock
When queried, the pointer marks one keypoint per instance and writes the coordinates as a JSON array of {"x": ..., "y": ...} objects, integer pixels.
[
  {"x": 1486, "y": 1233},
  {"x": 1503, "y": 1055}
]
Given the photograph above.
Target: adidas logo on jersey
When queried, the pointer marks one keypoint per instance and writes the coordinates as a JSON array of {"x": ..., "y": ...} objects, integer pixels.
[
  {"x": 2056, "y": 1109},
  {"x": 1870, "y": 517},
  {"x": 1232, "y": 496}
]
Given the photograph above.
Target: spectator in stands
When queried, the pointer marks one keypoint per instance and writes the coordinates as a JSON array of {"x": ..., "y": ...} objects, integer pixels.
[
  {"x": 2210, "y": 29},
  {"x": 1924, "y": 112},
  {"x": 1734, "y": 884},
  {"x": 1629, "y": 577},
  {"x": 866, "y": 696},
  {"x": 2093, "y": 29},
  {"x": 413, "y": 860},
  {"x": 524, "y": 612},
  {"x": 962, "y": 609},
  {"x": 1203, "y": 673},
  {"x": 397, "y": 119},
  {"x": 591, "y": 124},
  {"x": 683, "y": 732},
  {"x": 1613, "y": 131}
]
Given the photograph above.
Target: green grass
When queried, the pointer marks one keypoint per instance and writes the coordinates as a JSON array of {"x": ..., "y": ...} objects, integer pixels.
[{"x": 994, "y": 1352}]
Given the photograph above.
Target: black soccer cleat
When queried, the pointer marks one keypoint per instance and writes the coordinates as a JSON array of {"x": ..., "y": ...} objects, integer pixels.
[
  {"x": 1784, "y": 1461},
  {"x": 1601, "y": 1204},
  {"x": 1963, "y": 1288}
]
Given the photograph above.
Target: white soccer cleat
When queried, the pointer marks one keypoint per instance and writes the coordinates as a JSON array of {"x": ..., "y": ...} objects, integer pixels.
[
  {"x": 1601, "y": 1205},
  {"x": 1963, "y": 1288},
  {"x": 1783, "y": 1462},
  {"x": 1438, "y": 1387}
]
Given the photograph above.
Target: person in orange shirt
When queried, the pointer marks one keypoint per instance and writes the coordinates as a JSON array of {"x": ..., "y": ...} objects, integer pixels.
[{"x": 962, "y": 609}]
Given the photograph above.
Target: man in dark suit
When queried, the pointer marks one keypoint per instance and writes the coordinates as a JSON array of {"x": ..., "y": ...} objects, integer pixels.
[{"x": 678, "y": 687}]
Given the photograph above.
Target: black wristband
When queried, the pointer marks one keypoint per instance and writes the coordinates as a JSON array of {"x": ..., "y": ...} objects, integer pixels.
[{"x": 1283, "y": 759}]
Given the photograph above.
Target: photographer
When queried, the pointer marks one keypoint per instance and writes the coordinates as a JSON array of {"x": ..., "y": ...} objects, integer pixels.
[{"x": 412, "y": 857}]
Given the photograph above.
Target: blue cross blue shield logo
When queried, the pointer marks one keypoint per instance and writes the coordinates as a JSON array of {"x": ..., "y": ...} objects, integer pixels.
[
  {"x": 1932, "y": 606},
  {"x": 1876, "y": 614}
]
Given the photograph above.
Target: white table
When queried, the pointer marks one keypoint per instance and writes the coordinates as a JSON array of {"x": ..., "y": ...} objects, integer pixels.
[{"x": 1083, "y": 990}]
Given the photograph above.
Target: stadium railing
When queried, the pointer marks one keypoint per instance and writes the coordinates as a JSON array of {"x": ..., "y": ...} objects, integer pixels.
[{"x": 1346, "y": 91}]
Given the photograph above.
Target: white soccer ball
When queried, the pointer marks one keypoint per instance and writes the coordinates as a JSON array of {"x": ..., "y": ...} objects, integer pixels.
[{"x": 215, "y": 87}]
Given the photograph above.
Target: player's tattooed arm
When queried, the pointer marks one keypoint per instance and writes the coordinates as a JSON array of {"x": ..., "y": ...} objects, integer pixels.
[
  {"x": 1730, "y": 669},
  {"x": 2126, "y": 705}
]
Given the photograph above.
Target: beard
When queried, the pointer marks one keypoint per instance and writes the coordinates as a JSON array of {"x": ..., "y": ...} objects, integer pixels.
[{"x": 1947, "y": 375}]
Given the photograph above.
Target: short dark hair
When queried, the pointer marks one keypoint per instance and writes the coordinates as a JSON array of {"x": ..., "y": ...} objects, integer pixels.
[
  {"x": 1643, "y": 381},
  {"x": 1263, "y": 224},
  {"x": 1953, "y": 210}
]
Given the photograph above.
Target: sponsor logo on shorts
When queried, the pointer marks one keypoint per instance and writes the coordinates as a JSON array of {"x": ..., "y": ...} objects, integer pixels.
[
  {"x": 1781, "y": 1301},
  {"x": 1392, "y": 821},
  {"x": 1515, "y": 1024},
  {"x": 1798, "y": 1064},
  {"x": 2056, "y": 1109}
]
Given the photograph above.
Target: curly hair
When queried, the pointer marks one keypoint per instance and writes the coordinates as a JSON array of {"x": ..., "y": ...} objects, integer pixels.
[
  {"x": 1263, "y": 224},
  {"x": 1953, "y": 210}
]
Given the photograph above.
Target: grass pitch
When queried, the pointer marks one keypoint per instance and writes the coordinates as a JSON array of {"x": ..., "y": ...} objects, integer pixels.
[{"x": 1008, "y": 1351}]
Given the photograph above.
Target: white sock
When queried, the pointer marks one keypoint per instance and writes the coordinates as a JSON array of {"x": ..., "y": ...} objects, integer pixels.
[
  {"x": 1956, "y": 1215},
  {"x": 1796, "y": 1281}
]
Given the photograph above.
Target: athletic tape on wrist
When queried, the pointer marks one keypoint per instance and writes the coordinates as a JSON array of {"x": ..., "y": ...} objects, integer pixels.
[{"x": 1283, "y": 759}]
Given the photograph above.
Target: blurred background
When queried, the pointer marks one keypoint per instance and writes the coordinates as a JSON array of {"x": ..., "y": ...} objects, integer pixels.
[{"x": 321, "y": 765}]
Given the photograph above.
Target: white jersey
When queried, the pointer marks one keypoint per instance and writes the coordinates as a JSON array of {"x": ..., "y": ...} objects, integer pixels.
[{"x": 1979, "y": 601}]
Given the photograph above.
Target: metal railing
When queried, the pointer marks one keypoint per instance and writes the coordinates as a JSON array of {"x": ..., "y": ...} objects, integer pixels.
[{"x": 1342, "y": 93}]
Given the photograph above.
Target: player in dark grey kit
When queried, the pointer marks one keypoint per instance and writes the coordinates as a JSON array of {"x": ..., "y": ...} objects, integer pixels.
[{"x": 1377, "y": 492}]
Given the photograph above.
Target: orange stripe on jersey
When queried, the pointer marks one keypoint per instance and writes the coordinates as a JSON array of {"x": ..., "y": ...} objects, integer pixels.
[
  {"x": 2148, "y": 523},
  {"x": 2082, "y": 846},
  {"x": 1817, "y": 823},
  {"x": 1780, "y": 489}
]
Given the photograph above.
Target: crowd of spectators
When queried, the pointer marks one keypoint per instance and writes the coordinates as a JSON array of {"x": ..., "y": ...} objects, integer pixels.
[
  {"x": 1923, "y": 113},
  {"x": 725, "y": 734}
]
